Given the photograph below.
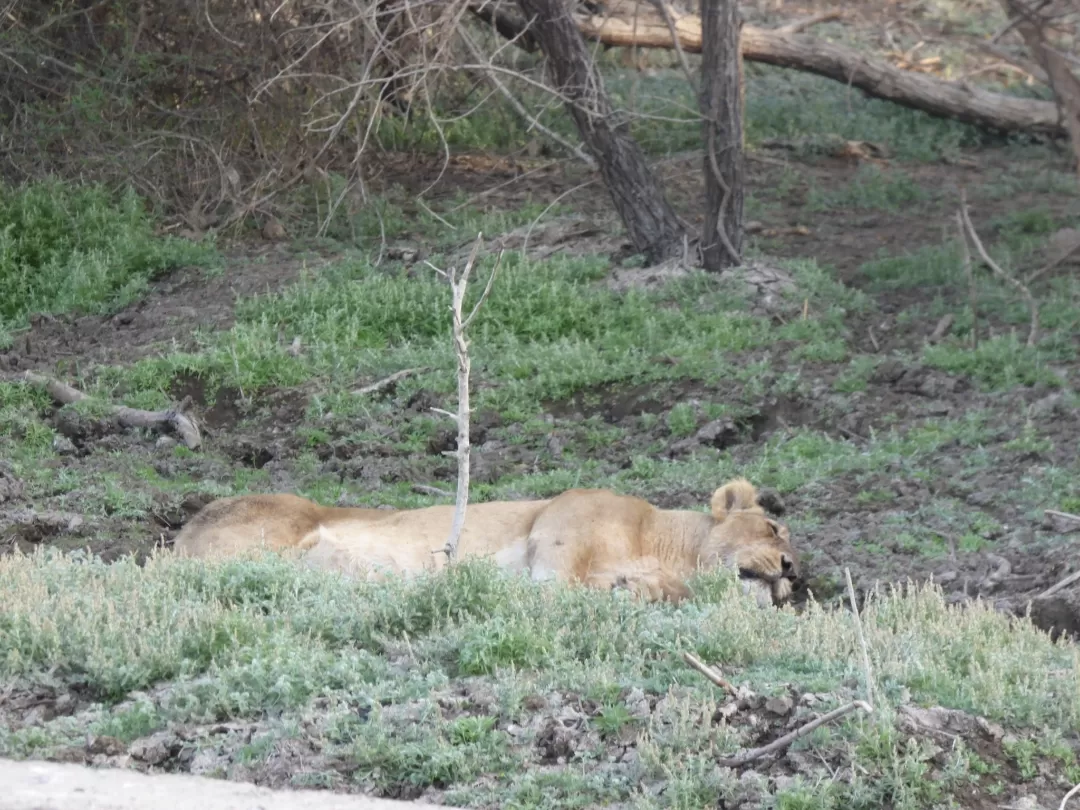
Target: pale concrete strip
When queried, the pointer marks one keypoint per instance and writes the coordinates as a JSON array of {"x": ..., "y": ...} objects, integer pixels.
[{"x": 35, "y": 785}]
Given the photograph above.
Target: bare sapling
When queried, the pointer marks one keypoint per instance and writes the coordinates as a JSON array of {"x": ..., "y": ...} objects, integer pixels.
[{"x": 458, "y": 286}]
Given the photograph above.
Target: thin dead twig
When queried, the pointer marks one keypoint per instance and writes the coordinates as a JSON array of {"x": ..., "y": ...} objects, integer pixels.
[
  {"x": 1033, "y": 306},
  {"x": 386, "y": 382},
  {"x": 712, "y": 673},
  {"x": 172, "y": 418},
  {"x": 493, "y": 79},
  {"x": 755, "y": 754},
  {"x": 458, "y": 285}
]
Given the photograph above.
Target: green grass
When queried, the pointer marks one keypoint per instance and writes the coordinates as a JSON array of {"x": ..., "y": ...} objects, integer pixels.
[
  {"x": 182, "y": 642},
  {"x": 65, "y": 248}
]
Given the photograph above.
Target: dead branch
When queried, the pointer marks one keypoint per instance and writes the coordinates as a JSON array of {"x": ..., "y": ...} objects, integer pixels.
[
  {"x": 634, "y": 23},
  {"x": 1061, "y": 585},
  {"x": 755, "y": 754},
  {"x": 1065, "y": 255},
  {"x": 458, "y": 285},
  {"x": 512, "y": 100},
  {"x": 1033, "y": 306},
  {"x": 386, "y": 382},
  {"x": 1068, "y": 796},
  {"x": 172, "y": 418},
  {"x": 1063, "y": 522},
  {"x": 712, "y": 673}
]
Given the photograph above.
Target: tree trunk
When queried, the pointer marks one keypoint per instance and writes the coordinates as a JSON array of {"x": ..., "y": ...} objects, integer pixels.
[
  {"x": 722, "y": 127},
  {"x": 1063, "y": 81},
  {"x": 650, "y": 220},
  {"x": 628, "y": 22}
]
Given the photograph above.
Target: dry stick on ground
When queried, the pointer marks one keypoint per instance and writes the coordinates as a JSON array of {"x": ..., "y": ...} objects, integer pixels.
[
  {"x": 783, "y": 742},
  {"x": 1065, "y": 583},
  {"x": 386, "y": 382},
  {"x": 1063, "y": 522},
  {"x": 712, "y": 673},
  {"x": 1033, "y": 306},
  {"x": 124, "y": 416},
  {"x": 458, "y": 285},
  {"x": 862, "y": 639}
]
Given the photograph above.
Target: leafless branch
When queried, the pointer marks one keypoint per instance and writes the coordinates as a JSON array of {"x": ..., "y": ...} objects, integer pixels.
[
  {"x": 458, "y": 286},
  {"x": 712, "y": 673},
  {"x": 1033, "y": 306},
  {"x": 125, "y": 417},
  {"x": 755, "y": 754},
  {"x": 386, "y": 382}
]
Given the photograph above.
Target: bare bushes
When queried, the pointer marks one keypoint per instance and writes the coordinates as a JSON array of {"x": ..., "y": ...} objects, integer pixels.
[{"x": 210, "y": 108}]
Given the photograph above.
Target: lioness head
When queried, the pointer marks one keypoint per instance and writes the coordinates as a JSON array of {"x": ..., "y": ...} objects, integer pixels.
[{"x": 743, "y": 537}]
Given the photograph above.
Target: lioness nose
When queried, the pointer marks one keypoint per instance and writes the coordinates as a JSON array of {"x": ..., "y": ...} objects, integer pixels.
[{"x": 787, "y": 565}]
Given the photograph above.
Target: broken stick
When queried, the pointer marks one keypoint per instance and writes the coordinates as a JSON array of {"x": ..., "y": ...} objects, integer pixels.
[
  {"x": 1033, "y": 307},
  {"x": 386, "y": 382},
  {"x": 712, "y": 673},
  {"x": 783, "y": 742},
  {"x": 172, "y": 418}
]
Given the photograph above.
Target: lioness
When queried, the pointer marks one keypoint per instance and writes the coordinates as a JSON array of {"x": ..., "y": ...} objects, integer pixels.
[{"x": 591, "y": 536}]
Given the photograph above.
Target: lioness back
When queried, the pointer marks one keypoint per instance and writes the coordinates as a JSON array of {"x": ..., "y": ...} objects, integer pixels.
[{"x": 231, "y": 526}]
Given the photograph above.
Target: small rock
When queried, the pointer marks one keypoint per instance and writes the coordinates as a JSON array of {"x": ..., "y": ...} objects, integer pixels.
[
  {"x": 63, "y": 446},
  {"x": 725, "y": 712},
  {"x": 65, "y": 704},
  {"x": 165, "y": 443},
  {"x": 780, "y": 706},
  {"x": 720, "y": 433},
  {"x": 104, "y": 745},
  {"x": 152, "y": 750}
]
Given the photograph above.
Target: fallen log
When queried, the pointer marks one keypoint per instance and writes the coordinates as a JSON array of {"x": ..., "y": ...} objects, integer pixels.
[
  {"x": 630, "y": 23},
  {"x": 124, "y": 416}
]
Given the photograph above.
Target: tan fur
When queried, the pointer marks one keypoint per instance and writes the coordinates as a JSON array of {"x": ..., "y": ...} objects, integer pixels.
[{"x": 591, "y": 536}]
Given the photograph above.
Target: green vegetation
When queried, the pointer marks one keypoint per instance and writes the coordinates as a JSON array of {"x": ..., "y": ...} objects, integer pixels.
[
  {"x": 65, "y": 248},
  {"x": 181, "y": 642},
  {"x": 898, "y": 457}
]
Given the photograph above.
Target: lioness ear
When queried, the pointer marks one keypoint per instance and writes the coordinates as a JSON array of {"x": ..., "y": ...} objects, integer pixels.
[{"x": 731, "y": 497}]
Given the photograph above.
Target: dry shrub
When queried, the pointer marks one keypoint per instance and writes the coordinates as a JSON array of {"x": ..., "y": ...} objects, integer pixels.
[{"x": 212, "y": 108}]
